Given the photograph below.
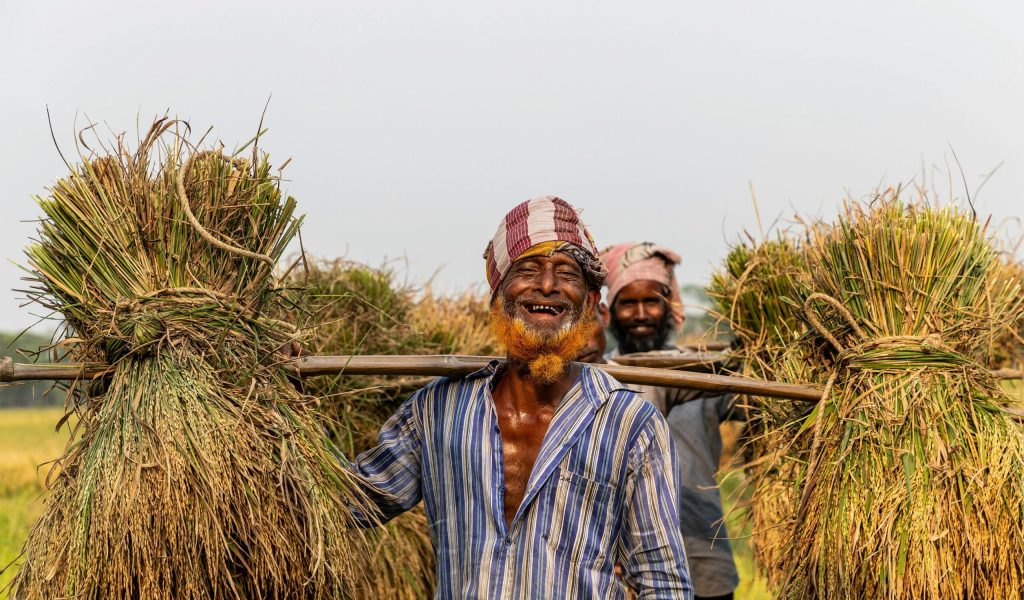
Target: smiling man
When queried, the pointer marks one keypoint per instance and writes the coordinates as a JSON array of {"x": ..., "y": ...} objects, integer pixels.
[
  {"x": 645, "y": 312},
  {"x": 538, "y": 474}
]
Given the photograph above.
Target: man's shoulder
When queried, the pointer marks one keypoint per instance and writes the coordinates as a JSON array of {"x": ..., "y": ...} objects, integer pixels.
[
  {"x": 615, "y": 397},
  {"x": 456, "y": 389},
  {"x": 448, "y": 386}
]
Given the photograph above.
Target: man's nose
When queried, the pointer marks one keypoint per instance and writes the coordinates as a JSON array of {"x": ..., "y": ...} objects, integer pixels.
[
  {"x": 546, "y": 283},
  {"x": 641, "y": 313}
]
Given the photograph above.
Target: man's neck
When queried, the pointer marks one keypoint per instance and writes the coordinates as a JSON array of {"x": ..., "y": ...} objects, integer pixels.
[{"x": 523, "y": 393}]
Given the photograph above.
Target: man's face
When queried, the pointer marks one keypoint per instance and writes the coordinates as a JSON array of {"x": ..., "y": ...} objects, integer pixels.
[
  {"x": 546, "y": 293},
  {"x": 641, "y": 321},
  {"x": 542, "y": 314}
]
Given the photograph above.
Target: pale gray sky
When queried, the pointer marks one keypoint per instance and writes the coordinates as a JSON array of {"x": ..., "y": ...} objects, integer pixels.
[{"x": 415, "y": 125}]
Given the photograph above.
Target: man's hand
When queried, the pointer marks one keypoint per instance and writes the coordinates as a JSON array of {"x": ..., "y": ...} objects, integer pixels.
[{"x": 290, "y": 350}]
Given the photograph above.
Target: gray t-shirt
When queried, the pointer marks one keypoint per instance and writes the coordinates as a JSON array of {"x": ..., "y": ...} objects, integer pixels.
[{"x": 693, "y": 417}]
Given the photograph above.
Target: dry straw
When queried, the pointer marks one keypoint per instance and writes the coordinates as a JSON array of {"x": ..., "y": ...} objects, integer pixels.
[
  {"x": 355, "y": 309},
  {"x": 759, "y": 298},
  {"x": 907, "y": 479},
  {"x": 197, "y": 471}
]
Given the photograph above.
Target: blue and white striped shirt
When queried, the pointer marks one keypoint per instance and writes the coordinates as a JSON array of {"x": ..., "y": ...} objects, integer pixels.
[{"x": 604, "y": 490}]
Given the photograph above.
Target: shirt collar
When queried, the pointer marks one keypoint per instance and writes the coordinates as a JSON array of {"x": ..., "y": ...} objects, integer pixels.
[{"x": 595, "y": 385}]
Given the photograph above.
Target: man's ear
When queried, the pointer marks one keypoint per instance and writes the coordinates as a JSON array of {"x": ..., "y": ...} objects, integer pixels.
[
  {"x": 593, "y": 299},
  {"x": 603, "y": 314}
]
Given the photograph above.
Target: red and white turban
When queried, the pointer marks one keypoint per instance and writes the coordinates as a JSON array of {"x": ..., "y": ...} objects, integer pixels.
[
  {"x": 540, "y": 227},
  {"x": 643, "y": 261}
]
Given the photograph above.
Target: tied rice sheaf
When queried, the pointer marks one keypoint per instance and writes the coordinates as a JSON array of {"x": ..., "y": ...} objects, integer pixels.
[
  {"x": 197, "y": 469},
  {"x": 907, "y": 479}
]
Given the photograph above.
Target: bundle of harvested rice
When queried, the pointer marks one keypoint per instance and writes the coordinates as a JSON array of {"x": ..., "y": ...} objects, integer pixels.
[
  {"x": 758, "y": 296},
  {"x": 198, "y": 470},
  {"x": 354, "y": 309},
  {"x": 911, "y": 476},
  {"x": 454, "y": 324}
]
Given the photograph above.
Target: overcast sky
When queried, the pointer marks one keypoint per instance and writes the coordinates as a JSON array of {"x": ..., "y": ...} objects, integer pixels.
[{"x": 414, "y": 126}]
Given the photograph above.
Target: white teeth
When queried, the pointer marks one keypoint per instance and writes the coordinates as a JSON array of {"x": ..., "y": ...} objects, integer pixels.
[{"x": 542, "y": 307}]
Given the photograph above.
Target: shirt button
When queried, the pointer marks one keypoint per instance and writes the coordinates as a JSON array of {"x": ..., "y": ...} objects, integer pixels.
[{"x": 508, "y": 541}]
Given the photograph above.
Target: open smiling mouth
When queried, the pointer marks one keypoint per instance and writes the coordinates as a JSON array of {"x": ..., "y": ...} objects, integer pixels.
[{"x": 537, "y": 308}]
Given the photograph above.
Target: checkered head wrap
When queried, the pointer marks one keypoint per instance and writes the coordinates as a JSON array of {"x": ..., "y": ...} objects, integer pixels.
[{"x": 540, "y": 227}]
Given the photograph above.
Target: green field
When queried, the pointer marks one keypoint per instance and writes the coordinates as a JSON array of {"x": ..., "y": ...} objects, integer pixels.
[{"x": 28, "y": 438}]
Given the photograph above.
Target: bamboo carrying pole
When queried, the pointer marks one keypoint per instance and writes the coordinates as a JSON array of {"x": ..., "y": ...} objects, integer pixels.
[
  {"x": 713, "y": 360},
  {"x": 446, "y": 365},
  {"x": 455, "y": 365},
  {"x": 683, "y": 360}
]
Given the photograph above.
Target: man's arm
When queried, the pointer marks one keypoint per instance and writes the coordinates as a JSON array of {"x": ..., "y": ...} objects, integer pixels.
[
  {"x": 728, "y": 406},
  {"x": 651, "y": 542},
  {"x": 391, "y": 470}
]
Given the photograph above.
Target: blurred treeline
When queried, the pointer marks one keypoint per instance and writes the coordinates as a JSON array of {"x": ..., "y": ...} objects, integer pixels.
[
  {"x": 40, "y": 393},
  {"x": 699, "y": 322}
]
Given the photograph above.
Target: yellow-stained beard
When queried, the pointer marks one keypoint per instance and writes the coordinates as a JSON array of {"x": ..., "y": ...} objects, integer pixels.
[{"x": 547, "y": 356}]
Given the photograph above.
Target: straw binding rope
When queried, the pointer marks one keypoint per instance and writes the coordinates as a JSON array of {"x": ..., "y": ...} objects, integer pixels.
[
  {"x": 186, "y": 206},
  {"x": 847, "y": 356}
]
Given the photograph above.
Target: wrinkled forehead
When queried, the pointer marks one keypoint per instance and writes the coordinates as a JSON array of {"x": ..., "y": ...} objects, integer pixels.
[{"x": 642, "y": 290}]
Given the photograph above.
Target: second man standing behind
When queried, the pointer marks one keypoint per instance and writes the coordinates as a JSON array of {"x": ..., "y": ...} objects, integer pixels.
[{"x": 645, "y": 313}]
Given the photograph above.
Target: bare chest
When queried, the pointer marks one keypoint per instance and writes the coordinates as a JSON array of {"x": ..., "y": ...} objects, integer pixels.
[{"x": 521, "y": 439}]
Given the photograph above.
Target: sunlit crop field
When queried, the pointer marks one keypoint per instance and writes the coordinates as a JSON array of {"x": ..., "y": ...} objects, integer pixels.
[{"x": 27, "y": 440}]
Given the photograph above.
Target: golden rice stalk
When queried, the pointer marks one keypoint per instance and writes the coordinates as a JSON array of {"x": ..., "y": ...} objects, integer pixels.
[
  {"x": 757, "y": 296},
  {"x": 198, "y": 471}
]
